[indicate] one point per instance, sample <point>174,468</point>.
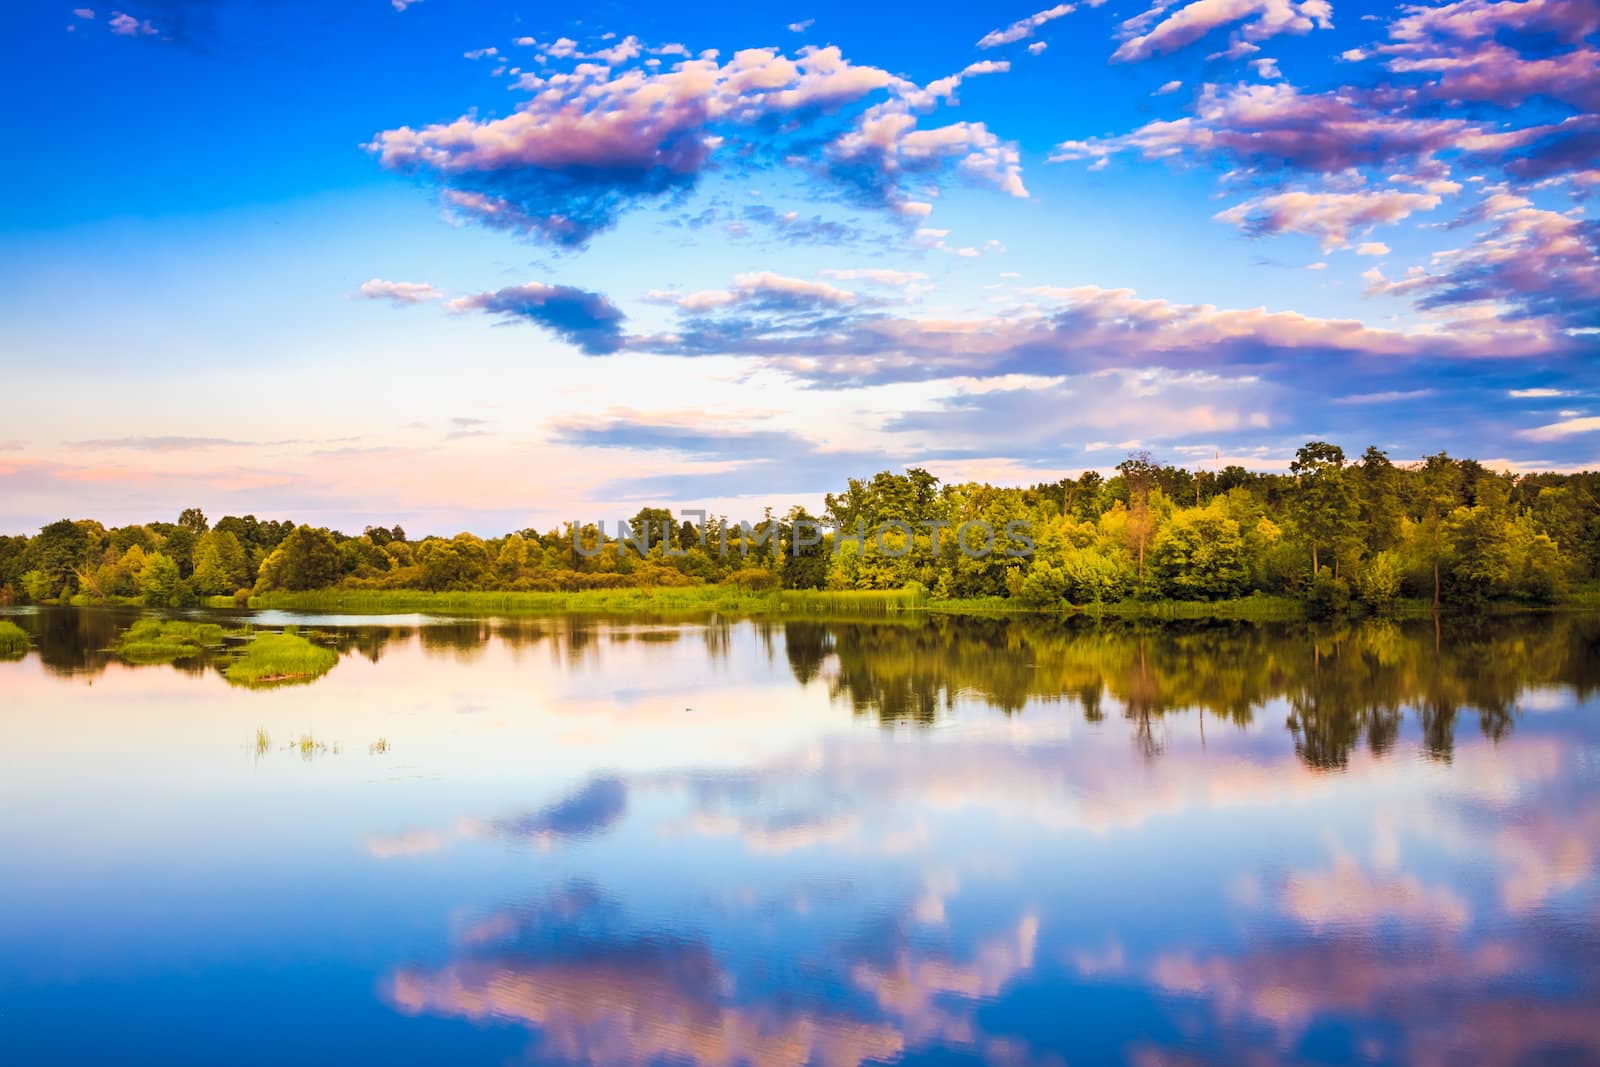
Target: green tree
<point>38,586</point>
<point>56,553</point>
<point>220,564</point>
<point>1325,509</point>
<point>158,579</point>
<point>1199,555</point>
<point>307,559</point>
<point>459,563</point>
<point>1378,494</point>
<point>805,566</point>
<point>1439,482</point>
<point>1138,473</point>
<point>512,560</point>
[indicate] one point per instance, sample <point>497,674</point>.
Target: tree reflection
<point>1340,685</point>
<point>1344,684</point>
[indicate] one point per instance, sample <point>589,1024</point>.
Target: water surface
<point>724,843</point>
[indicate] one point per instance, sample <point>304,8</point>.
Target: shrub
<point>754,578</point>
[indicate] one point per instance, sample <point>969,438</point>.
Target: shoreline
<point>688,601</point>
<point>791,603</point>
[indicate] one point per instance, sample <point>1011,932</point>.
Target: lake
<point>779,843</point>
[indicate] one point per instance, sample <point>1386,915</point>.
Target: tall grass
<point>164,640</point>
<point>1254,608</point>
<point>280,659</point>
<point>13,640</point>
<point>663,601</point>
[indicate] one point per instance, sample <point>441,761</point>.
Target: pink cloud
<point>1261,20</point>
<point>124,25</point>
<point>1329,217</point>
<point>593,139</point>
<point>398,292</point>
<point>1022,29</point>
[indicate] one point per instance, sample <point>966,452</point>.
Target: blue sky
<point>476,266</point>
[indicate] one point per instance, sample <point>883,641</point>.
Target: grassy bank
<point>704,599</point>
<point>164,640</point>
<point>280,659</point>
<point>687,600</point>
<point>13,640</point>
<point>728,600</point>
<point>1250,608</point>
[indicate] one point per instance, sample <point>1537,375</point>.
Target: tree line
<point>1337,532</point>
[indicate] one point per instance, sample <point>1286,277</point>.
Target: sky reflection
<point>814,843</point>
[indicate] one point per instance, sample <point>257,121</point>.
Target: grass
<point>263,741</point>
<point>165,640</point>
<point>309,746</point>
<point>1254,608</point>
<point>13,640</point>
<point>855,603</point>
<point>378,747</point>
<point>678,600</point>
<point>280,659</point>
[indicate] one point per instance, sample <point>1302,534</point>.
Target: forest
<point>1334,533</point>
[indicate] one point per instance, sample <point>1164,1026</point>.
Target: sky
<point>480,266</point>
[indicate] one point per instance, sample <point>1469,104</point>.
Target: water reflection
<point>761,843</point>
<point>1346,685</point>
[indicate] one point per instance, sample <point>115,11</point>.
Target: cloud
<point>592,141</point>
<point>748,461</point>
<point>899,279</point>
<point>124,25</point>
<point>1500,53</point>
<point>587,320</point>
<point>887,144</point>
<point>593,809</point>
<point>1329,217</point>
<point>1348,896</point>
<point>398,292</point>
<point>169,443</point>
<point>1555,431</point>
<point>564,970</point>
<point>1022,29</point>
<point>838,342</point>
<point>414,843</point>
<point>757,309</point>
<point>1392,396</point>
<point>1529,263</point>
<point>1276,126</point>
<point>1372,248</point>
<point>1261,20</point>
<point>1537,393</point>
<point>792,227</point>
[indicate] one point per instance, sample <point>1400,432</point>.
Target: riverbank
<point>692,600</point>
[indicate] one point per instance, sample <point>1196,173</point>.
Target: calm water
<point>782,844</point>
